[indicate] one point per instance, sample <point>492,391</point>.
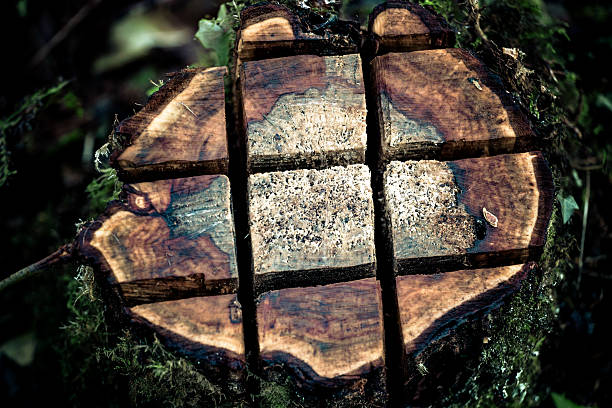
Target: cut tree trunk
<point>365,268</point>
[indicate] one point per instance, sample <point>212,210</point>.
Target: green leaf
<point>217,35</point>
<point>568,206</point>
<point>561,401</point>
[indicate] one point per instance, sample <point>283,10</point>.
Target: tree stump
<point>359,262</point>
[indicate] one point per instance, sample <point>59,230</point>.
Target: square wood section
<point>181,130</point>
<point>444,104</point>
<point>206,328</point>
<point>168,239</point>
<point>310,227</point>
<point>473,212</point>
<point>403,26</point>
<point>327,334</point>
<point>304,112</point>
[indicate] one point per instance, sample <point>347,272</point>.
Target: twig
<point>585,214</point>
<point>63,254</point>
<point>42,53</point>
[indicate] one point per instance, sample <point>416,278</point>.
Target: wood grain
<point>206,328</point>
<point>271,30</point>
<point>436,211</point>
<point>167,239</point>
<point>181,130</point>
<point>445,104</point>
<point>327,335</point>
<point>432,305</point>
<point>310,227</point>
<point>402,26</point>
<point>304,111</point>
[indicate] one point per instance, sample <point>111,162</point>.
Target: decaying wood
<point>181,130</point>
<point>167,239</point>
<point>444,104</point>
<point>328,335</point>
<point>309,227</point>
<point>168,246</point>
<point>271,30</point>
<point>207,328</point>
<point>304,111</point>
<point>435,211</point>
<point>402,26</point>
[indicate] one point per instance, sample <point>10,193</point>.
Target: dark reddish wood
<point>431,305</point>
<point>436,211</point>
<point>207,328</point>
<point>181,130</point>
<point>166,239</point>
<point>445,104</point>
<point>272,30</point>
<point>303,111</point>
<point>404,26</point>
<point>328,336</point>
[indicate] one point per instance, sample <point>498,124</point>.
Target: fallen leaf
<point>489,217</point>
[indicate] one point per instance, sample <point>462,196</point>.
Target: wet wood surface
<point>437,211</point>
<point>272,30</point>
<point>180,131</point>
<point>326,334</point>
<point>304,111</point>
<point>444,104</point>
<point>167,239</point>
<point>402,26</point>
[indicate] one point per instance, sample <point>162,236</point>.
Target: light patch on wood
<point>399,129</point>
<point>398,21</point>
<point>201,321</point>
<point>310,219</point>
<point>426,217</point>
<point>312,122</point>
<point>423,299</point>
<point>271,29</point>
